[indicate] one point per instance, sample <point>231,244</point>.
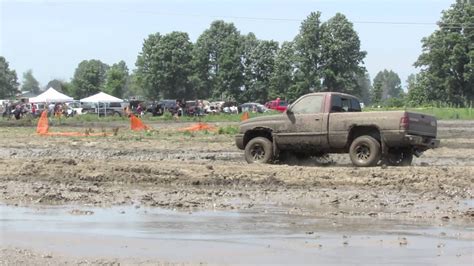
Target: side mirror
<point>289,111</point>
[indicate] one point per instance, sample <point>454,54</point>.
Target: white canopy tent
<point>51,96</point>
<point>101,97</point>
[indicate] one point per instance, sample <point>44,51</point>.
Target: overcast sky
<point>53,37</point>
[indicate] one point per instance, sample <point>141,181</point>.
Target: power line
<point>372,22</point>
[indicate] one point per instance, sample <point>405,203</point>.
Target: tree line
<point>323,56</point>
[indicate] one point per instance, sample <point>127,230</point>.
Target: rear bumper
<point>239,141</point>
<point>425,142</point>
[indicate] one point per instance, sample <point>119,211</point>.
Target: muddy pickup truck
<point>320,123</point>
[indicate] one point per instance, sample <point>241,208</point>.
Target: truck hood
<point>273,122</point>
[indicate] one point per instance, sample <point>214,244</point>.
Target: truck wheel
<point>365,151</point>
<point>259,150</point>
<point>399,157</point>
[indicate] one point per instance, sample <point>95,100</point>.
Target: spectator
<point>51,109</point>
<point>33,110</point>
<point>126,110</point>
<point>8,110</point>
<point>57,110</point>
<point>200,107</point>
<point>17,112</point>
<point>139,110</point>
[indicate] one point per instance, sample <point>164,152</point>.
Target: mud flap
<point>383,145</point>
<point>276,151</point>
<point>417,153</point>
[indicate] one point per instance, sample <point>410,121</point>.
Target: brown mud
<point>205,171</point>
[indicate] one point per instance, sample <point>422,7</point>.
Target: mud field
<point>178,172</point>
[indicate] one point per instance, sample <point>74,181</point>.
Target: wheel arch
<point>258,132</point>
<point>356,131</point>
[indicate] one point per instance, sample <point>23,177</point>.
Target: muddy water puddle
<point>266,234</point>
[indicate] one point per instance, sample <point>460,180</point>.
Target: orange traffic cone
<point>244,116</point>
<point>136,124</point>
<point>42,127</point>
<point>199,127</point>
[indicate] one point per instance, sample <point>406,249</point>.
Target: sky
<point>52,37</point>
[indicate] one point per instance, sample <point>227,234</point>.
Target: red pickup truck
<point>277,105</point>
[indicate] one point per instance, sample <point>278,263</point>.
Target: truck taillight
<point>404,121</point>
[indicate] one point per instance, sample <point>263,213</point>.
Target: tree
<point>133,89</point>
<point>282,81</point>
<point>308,55</point>
<point>60,85</point>
<point>387,85</point>
<point>376,93</point>
<point>341,57</point>
<point>165,66</point>
<point>147,67</point>
<point>447,60</point>
<point>29,82</point>
<point>117,79</point>
<point>258,63</point>
<point>218,72</point>
<point>364,87</point>
<point>416,94</point>
<point>249,45</point>
<point>8,80</point>
<point>327,56</point>
<point>89,78</point>
<point>175,55</point>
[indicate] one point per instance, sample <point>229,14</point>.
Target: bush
<point>394,102</point>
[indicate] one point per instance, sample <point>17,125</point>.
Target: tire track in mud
<point>444,156</point>
<point>116,154</point>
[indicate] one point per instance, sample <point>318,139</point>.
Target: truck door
<point>304,125</point>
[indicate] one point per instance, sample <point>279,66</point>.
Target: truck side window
<point>336,104</point>
<point>355,106</point>
<point>346,104</point>
<point>308,105</point>
<point>339,104</point>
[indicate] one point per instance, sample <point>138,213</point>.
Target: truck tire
<point>259,150</point>
<point>399,157</point>
<point>365,151</point>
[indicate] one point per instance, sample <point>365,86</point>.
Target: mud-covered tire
<point>399,157</point>
<point>259,150</point>
<point>365,151</point>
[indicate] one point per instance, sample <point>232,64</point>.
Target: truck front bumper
<point>429,143</point>
<point>239,141</point>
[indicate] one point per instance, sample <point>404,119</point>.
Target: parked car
<point>76,107</point>
<point>163,106</point>
<point>230,107</point>
<point>216,107</point>
<point>190,107</point>
<point>104,109</point>
<point>320,123</point>
<point>253,107</point>
<point>278,105</point>
<point>39,108</point>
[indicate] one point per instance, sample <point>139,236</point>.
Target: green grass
<point>441,113</point>
<point>228,130</point>
<point>206,118</point>
<point>92,118</point>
